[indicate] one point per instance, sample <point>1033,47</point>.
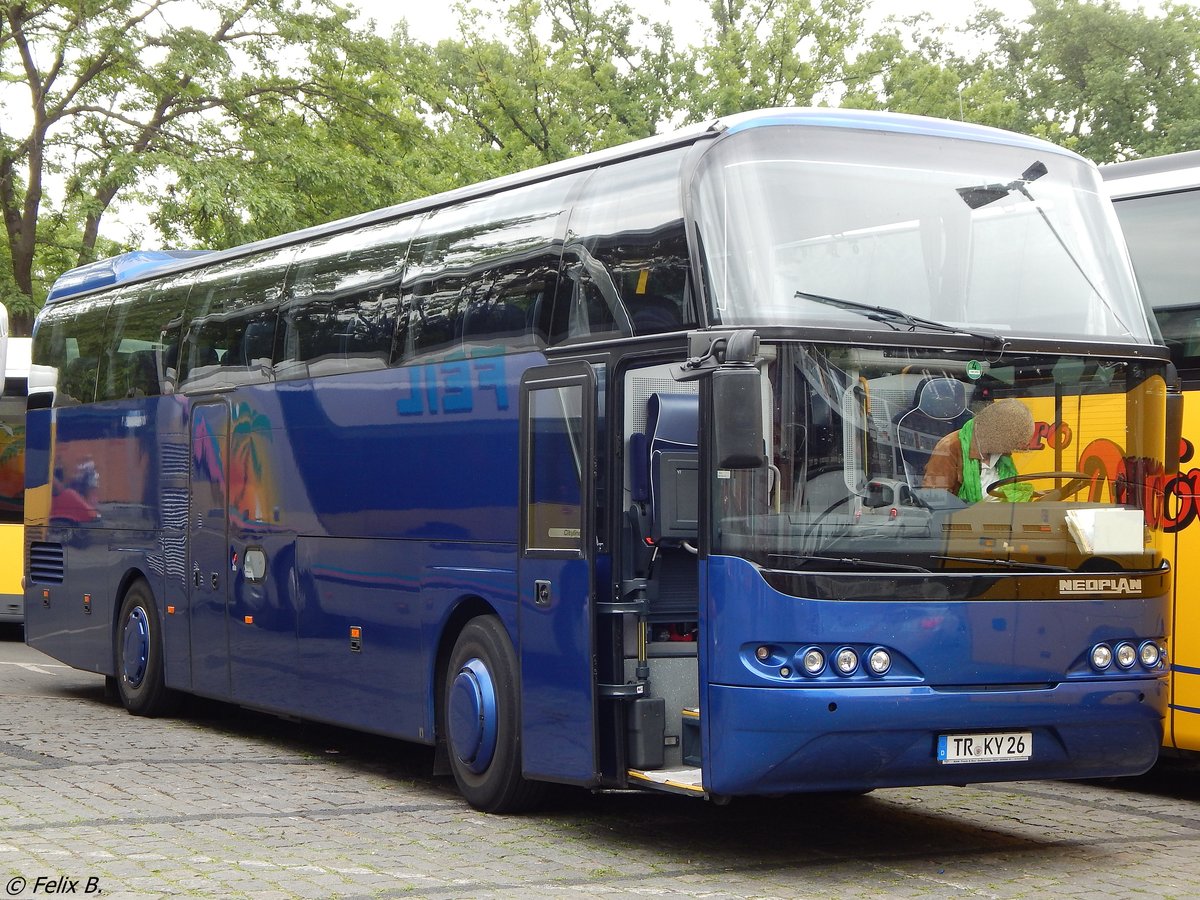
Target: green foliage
<point>335,150</point>
<point>768,53</point>
<point>232,120</point>
<point>1104,80</point>
<point>1092,75</point>
<point>541,80</point>
<point>923,75</point>
<point>237,99</point>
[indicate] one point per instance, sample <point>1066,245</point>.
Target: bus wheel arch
<point>138,652</point>
<point>479,718</point>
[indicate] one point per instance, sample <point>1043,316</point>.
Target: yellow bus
<point>12,480</point>
<point>1158,203</point>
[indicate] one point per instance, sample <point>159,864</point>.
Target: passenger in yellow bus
<point>967,461</point>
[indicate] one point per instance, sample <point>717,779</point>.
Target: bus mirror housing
<point>730,359</point>
<point>737,417</point>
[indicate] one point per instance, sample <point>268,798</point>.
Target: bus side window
<point>232,313</point>
<point>50,348</point>
<point>1180,326</point>
<point>74,341</point>
<point>593,303</point>
<point>434,311</point>
<point>342,297</point>
<point>626,260</point>
<point>481,273</point>
<point>137,340</point>
<point>436,276</point>
<point>510,309</point>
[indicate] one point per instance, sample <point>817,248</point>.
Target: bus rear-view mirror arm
<point>731,360</point>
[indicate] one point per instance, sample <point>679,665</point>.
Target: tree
<point>767,53</point>
<point>912,67</point>
<point>345,145</point>
<point>121,89</point>
<point>1103,80</point>
<point>543,80</point>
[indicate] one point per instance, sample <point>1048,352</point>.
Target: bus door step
<point>691,736</point>
<point>676,780</point>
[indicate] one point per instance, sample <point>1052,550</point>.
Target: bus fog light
<point>763,654</point>
<point>846,661</point>
<point>879,661</point>
<point>1126,655</point>
<point>1150,654</point>
<point>1101,657</point>
<point>814,661</point>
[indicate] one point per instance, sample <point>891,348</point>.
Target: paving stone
<point>244,805</point>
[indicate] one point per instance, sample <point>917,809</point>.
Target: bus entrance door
<point>556,612</point>
<point>208,549</point>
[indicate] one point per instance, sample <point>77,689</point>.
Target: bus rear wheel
<point>481,714</point>
<point>138,655</point>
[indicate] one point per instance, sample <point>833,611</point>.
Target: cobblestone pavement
<point>225,803</point>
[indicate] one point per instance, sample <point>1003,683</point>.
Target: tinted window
<point>343,294</point>
<point>481,273</point>
<point>1162,233</point>
<point>554,506</point>
<point>68,339</point>
<point>141,341</point>
<point>625,264</point>
<point>229,335</point>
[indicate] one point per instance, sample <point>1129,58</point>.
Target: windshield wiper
<point>850,561</point>
<point>1007,563</point>
<point>980,195</point>
<point>890,317</point>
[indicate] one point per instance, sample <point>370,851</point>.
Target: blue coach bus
<point>612,473</point>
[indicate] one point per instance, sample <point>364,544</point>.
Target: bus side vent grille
<point>46,563</point>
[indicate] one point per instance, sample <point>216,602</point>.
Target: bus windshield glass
<point>873,230</point>
<point>927,466</point>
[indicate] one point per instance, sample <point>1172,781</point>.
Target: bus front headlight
<point>846,661</point>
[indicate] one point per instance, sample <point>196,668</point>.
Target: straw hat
<point>1003,427</point>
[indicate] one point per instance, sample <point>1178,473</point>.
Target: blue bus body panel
<point>117,270</point>
<point>957,667</point>
<point>314,467</point>
<point>767,741</point>
<point>556,653</point>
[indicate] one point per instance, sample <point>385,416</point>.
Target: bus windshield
<point>827,227</point>
<point>866,474</point>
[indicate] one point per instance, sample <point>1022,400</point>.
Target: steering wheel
<point>1077,481</point>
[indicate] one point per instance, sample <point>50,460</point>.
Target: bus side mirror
<point>737,418</point>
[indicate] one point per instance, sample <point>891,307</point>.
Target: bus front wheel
<point>138,654</point>
<point>481,713</point>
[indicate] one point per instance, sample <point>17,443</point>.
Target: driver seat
<point>939,407</point>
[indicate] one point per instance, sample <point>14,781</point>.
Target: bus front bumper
<point>781,740</point>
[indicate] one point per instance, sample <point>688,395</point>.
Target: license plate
<point>1008,746</point>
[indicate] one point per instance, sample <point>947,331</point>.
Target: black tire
<point>481,712</point>
<point>138,655</point>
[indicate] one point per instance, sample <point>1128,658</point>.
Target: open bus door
<point>557,607</point>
